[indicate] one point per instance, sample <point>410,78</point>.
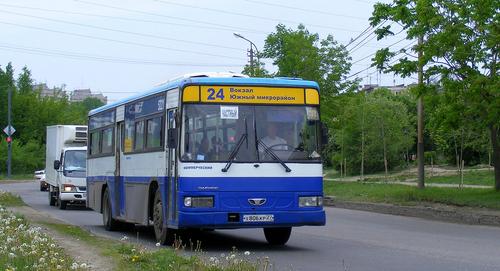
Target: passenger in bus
<point>203,150</point>
<point>272,139</point>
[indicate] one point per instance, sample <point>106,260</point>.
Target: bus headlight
<point>310,201</point>
<point>69,188</point>
<point>199,202</point>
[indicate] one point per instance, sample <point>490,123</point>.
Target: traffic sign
<point>6,130</point>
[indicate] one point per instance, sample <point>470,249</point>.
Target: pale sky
<point>118,47</point>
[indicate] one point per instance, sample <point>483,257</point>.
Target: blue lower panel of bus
<point>220,220</point>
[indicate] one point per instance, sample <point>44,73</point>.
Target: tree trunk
<point>496,155</point>
<point>385,150</point>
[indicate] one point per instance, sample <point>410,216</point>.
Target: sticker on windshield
<point>312,113</point>
<point>229,112</point>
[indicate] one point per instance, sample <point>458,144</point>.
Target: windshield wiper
<point>233,153</point>
<point>273,155</point>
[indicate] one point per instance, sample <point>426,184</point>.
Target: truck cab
<point>66,166</point>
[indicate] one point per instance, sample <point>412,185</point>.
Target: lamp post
<point>252,45</point>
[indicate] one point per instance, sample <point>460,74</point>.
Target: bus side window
<point>139,136</point>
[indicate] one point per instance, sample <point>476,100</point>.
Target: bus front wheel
<point>277,236</point>
<point>110,224</point>
<point>162,233</point>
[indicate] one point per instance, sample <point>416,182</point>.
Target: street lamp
<point>252,45</point>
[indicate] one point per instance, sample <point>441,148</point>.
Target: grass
<point>477,177</point>
<point>408,195</point>
<point>24,247</point>
<point>131,257</point>
<point>10,200</point>
<point>24,176</point>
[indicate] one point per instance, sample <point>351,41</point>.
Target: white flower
<point>12,255</point>
<point>247,253</point>
<point>83,265</point>
<point>58,267</point>
<point>158,244</point>
<point>124,238</point>
<point>52,245</point>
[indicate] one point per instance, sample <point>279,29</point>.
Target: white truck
<point>66,164</point>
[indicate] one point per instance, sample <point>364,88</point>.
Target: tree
<point>299,53</point>
<point>461,42</point>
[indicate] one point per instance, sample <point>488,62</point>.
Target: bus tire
<point>277,236</point>
<point>52,200</point>
<point>110,224</point>
<point>163,235</point>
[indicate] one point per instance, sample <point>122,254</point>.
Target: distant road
<point>351,240</point>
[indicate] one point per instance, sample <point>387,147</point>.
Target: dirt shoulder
<point>441,212</point>
<point>77,249</point>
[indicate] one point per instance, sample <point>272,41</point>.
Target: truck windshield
<point>212,131</point>
<point>75,163</point>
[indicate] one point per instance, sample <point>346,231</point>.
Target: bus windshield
<point>212,131</point>
<point>75,163</point>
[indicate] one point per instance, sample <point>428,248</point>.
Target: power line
<point>358,45</point>
<point>363,58</point>
<point>117,41</point>
<point>163,15</point>
<point>122,31</point>
<point>101,58</point>
<point>132,19</point>
<point>358,72</point>
<point>315,11</point>
<point>251,16</point>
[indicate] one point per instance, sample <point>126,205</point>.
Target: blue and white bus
<point>210,151</point>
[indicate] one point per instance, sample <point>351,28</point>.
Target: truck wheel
<point>162,233</point>
<point>277,236</point>
<point>110,224</point>
<point>61,203</point>
<point>52,200</point>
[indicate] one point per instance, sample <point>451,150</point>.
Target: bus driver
<point>271,140</point>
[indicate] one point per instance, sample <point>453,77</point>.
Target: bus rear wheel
<point>110,224</point>
<point>277,236</point>
<point>162,233</point>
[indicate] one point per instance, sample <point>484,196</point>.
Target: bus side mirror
<point>57,164</point>
<point>172,138</point>
<point>324,135</point>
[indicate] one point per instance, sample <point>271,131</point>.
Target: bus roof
<point>274,82</point>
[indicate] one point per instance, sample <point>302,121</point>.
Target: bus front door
<point>171,172</point>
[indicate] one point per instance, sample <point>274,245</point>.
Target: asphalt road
<point>351,240</point>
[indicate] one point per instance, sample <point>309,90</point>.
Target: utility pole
<point>9,143</point>
<point>251,53</point>
<point>420,114</point>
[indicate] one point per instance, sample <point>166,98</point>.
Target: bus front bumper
<point>227,220</point>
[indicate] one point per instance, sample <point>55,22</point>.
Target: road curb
<point>465,215</point>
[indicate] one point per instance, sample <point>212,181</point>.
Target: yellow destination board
<point>251,95</point>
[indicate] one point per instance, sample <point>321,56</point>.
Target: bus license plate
<point>258,218</point>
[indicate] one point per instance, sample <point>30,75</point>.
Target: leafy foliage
<point>31,113</point>
<point>461,45</point>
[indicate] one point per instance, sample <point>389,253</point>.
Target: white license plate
<point>258,218</point>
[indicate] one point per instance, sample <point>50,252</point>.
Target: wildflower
<point>83,265</point>
<point>247,253</point>
<point>135,258</point>
<point>124,238</point>
<point>52,245</point>
<point>42,259</point>
<point>58,267</point>
<point>158,244</point>
<point>12,255</point>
